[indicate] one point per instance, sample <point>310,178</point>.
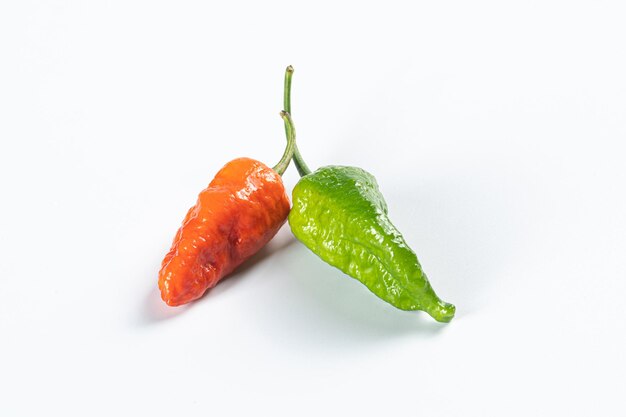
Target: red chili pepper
<point>235,216</point>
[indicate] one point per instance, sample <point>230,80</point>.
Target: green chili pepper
<point>340,215</point>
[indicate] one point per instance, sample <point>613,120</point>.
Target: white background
<point>495,129</point>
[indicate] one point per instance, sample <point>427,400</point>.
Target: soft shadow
<point>313,306</point>
<point>154,310</point>
<point>274,247</point>
<point>464,231</point>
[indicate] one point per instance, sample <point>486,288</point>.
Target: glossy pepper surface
<point>236,215</point>
<point>340,215</point>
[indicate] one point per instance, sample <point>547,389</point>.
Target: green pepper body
<point>340,215</point>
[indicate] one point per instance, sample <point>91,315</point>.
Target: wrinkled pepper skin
<point>339,214</point>
<point>235,216</point>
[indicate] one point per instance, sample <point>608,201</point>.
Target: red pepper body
<point>235,216</point>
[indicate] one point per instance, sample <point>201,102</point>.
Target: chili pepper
<point>236,215</point>
<point>339,214</point>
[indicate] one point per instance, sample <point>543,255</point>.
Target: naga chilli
<point>340,215</point>
<point>234,217</point>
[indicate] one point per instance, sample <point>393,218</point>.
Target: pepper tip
<point>444,312</point>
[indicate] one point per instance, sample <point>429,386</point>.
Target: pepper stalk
<point>282,165</point>
<point>301,166</point>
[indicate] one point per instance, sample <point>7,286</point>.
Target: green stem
<point>301,166</point>
<point>282,165</point>
<point>291,139</point>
